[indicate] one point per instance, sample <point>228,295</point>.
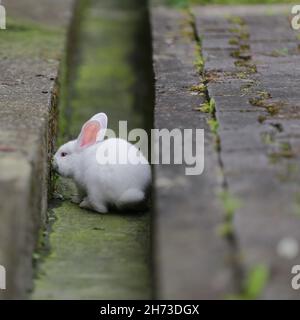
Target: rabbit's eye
<point>63,154</point>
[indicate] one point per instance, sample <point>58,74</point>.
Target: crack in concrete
<point>231,238</point>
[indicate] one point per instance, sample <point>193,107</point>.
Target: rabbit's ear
<point>93,131</point>
<point>101,118</point>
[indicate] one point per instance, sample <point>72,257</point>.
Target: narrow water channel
<point>85,255</point>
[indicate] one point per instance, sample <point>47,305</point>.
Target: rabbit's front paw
<point>76,198</point>
<point>85,204</point>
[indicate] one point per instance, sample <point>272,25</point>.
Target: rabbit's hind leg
<point>100,207</point>
<point>95,201</point>
<point>95,206</point>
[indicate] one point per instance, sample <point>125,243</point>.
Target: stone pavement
<point>187,210</point>
<point>252,71</point>
<point>29,57</point>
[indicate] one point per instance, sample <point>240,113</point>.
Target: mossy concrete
<point>47,12</point>
<point>95,256</point>
<point>29,58</point>
<point>28,39</point>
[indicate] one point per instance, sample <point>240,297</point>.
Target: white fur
<point>103,184</point>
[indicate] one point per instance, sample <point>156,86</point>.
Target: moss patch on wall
<point>24,39</point>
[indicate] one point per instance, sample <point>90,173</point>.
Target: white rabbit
<point>105,184</point>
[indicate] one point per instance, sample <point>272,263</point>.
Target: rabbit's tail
<point>130,197</point>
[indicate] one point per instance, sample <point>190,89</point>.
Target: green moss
<point>24,39</point>
<point>225,229</point>
<point>95,256</point>
<point>234,30</point>
<point>241,33</point>
<point>233,41</point>
<point>268,138</point>
<point>285,151</point>
<point>250,67</point>
<point>187,33</point>
<point>254,284</point>
<point>212,105</point>
<point>205,107</point>
<point>280,52</point>
<point>261,119</point>
<point>208,107</point>
<point>272,109</point>
<point>199,88</point>
<point>262,100</point>
<point>242,75</point>
<point>235,54</point>
<point>230,204</point>
<point>247,88</point>
<point>241,54</point>
<point>199,64</point>
<point>244,47</point>
<point>187,25</point>
<point>264,95</point>
<point>213,125</point>
<point>236,20</point>
<point>244,35</point>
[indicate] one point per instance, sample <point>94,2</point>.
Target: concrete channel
<point>84,255</point>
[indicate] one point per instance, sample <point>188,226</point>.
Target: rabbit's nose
<point>54,165</point>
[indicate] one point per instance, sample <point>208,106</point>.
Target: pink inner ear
<point>89,133</point>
